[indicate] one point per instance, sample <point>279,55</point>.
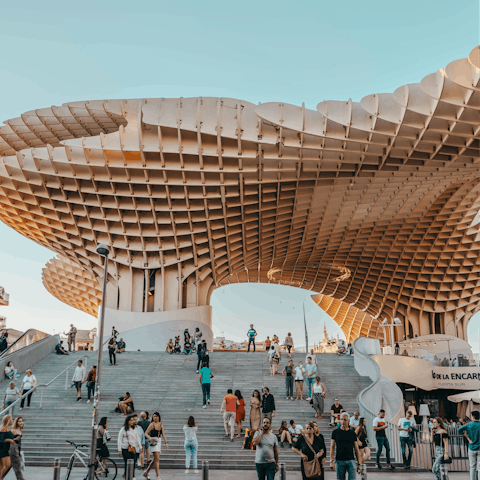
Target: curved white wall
<point>150,331</point>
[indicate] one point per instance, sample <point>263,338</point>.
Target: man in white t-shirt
<point>295,430</point>
<point>405,427</point>
<point>355,420</point>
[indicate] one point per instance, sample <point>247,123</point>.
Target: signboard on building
<point>462,378</point>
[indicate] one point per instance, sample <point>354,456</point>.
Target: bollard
<point>283,472</point>
<point>205,470</point>
<point>130,469</point>
<point>56,469</point>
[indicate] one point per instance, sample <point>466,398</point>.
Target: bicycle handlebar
<point>79,445</point>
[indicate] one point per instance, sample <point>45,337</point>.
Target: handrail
<point>10,349</point>
<point>44,385</point>
<point>392,431</point>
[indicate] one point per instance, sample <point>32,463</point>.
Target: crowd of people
<point>141,436</point>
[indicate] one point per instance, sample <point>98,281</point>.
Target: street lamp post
<point>102,250</point>
<point>396,323</point>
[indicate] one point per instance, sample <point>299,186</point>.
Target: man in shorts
<point>78,378</point>
<point>229,403</point>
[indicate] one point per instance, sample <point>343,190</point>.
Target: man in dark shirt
<point>202,346</point>
<point>345,442</point>
<point>252,333</point>
<point>268,404</point>
<point>145,454</point>
<point>336,410</point>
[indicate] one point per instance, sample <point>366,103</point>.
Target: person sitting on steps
<point>60,350</point>
<point>125,405</point>
<point>170,347</point>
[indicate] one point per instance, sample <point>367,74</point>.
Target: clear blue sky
<point>55,52</point>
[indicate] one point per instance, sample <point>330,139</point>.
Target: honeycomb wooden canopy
<point>194,193</point>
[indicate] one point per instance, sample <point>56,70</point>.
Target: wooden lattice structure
<point>194,193</point>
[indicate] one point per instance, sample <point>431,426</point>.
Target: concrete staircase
<point>168,384</point>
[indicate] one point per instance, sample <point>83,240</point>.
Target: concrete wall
<point>150,331</point>
<point>29,356</point>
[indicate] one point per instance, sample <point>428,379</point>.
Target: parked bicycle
<point>108,470</point>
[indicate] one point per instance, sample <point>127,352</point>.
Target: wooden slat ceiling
<point>387,187</point>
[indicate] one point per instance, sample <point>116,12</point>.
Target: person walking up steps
<point>240,414</point>
<point>319,394</point>
<point>252,333</point>
<point>205,375</point>
<point>191,444</point>
<point>229,403</point>
<point>379,427</point>
<point>266,453</point>
<point>310,373</point>
<point>343,449</point>
<point>271,360</point>
<point>288,376</point>
<point>78,378</point>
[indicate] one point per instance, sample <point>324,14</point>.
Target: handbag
<point>311,467</point>
<point>448,460</point>
<point>131,449</point>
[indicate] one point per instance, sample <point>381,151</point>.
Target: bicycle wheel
<point>69,467</point>
<point>109,470</point>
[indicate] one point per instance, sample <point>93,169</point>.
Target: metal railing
<point>374,393</point>
<point>29,337</point>
<point>45,385</point>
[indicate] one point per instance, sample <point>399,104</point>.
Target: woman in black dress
<point>102,438</point>
<point>309,446</point>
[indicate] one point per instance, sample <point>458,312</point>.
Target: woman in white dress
<point>154,433</point>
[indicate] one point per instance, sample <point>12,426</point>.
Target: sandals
<point>145,474</point>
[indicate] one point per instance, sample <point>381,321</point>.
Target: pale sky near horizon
<point>56,52</point>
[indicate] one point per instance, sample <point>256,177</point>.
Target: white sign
<point>461,378</point>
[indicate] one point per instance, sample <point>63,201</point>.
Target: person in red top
<point>268,343</point>
<point>229,403</point>
<point>240,417</point>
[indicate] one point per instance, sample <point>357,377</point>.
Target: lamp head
<point>103,249</point>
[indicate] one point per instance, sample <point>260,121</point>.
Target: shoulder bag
<point>311,467</point>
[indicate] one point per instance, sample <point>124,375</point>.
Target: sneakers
<point>208,401</point>
<point>79,399</point>
<point>281,444</point>
<point>88,401</point>
<point>186,471</point>
<point>390,467</point>
<point>197,471</point>
<point>196,371</point>
<point>291,398</point>
<point>204,406</point>
<point>379,466</point>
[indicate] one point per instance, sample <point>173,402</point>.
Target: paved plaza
<point>42,473</point>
